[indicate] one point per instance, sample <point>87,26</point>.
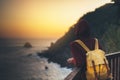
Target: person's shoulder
<point>93,39</point>
<point>73,43</point>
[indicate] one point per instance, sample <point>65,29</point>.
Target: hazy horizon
<point>42,19</point>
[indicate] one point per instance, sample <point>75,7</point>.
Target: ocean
<point>20,63</point>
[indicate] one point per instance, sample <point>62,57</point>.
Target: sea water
<point>19,63</point>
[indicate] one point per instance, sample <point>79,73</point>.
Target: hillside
<point>104,22</point>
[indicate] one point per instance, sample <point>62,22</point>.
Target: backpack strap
<point>96,44</point>
<point>83,45</point>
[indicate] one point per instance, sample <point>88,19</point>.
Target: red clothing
<point>79,54</point>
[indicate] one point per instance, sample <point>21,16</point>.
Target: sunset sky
<point>42,18</point>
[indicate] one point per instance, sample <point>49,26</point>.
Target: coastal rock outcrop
<point>27,45</point>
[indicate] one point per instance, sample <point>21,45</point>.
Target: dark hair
<point>82,29</point>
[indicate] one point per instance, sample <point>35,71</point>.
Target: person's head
<point>82,29</point>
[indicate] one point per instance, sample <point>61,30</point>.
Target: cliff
<point>104,22</point>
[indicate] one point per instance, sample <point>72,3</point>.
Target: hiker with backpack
<point>88,54</point>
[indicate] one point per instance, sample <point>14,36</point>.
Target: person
<point>82,32</point>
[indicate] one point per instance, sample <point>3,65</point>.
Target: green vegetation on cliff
<point>105,25</point>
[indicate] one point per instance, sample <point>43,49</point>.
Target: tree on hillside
<point>116,1</point>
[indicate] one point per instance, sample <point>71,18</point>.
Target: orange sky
<point>42,18</point>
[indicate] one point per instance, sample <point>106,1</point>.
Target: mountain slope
<point>104,23</point>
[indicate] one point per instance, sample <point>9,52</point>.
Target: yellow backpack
<point>97,64</point>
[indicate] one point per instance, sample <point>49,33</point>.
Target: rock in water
<point>46,68</point>
<point>27,45</point>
